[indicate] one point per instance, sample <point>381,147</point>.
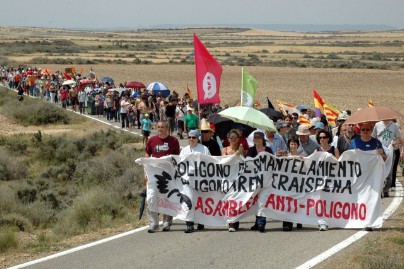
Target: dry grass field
<point>373,62</point>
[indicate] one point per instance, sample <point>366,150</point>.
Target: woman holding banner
<point>293,145</point>
<point>194,146</point>
<point>259,146</point>
<point>235,147</point>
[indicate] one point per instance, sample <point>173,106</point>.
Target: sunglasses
<point>321,137</point>
<point>192,137</point>
<point>205,131</point>
<point>365,130</point>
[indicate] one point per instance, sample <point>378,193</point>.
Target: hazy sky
<point>134,13</point>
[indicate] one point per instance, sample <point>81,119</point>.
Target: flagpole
<point>241,91</point>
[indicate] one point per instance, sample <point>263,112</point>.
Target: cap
<point>303,130</point>
<point>259,134</point>
<point>194,132</point>
<point>280,124</point>
<point>146,115</point>
<point>319,125</point>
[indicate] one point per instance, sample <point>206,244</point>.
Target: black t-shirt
<point>213,147</point>
<point>170,110</point>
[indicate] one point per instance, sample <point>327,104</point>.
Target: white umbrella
<point>120,90</point>
<point>69,82</point>
<point>249,116</point>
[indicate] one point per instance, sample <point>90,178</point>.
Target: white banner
<point>214,191</point>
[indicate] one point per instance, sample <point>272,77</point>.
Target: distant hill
<point>297,27</point>
<point>274,27</point>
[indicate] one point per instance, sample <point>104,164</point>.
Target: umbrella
<point>272,113</point>
<point>222,125</point>
<point>69,82</point>
<point>373,114</point>
<point>249,116</point>
<point>158,87</point>
<point>142,204</point>
<point>107,80</point>
<point>46,70</point>
<point>86,81</point>
<point>135,85</point>
<point>300,107</point>
<point>120,90</point>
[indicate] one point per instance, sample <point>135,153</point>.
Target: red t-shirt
<point>157,147</point>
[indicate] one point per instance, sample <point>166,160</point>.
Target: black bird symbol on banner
<point>162,186</point>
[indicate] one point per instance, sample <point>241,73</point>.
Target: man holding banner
<point>158,146</point>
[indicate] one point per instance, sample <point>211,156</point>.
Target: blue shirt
<point>146,124</point>
<point>358,143</point>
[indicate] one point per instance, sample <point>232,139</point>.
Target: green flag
<point>248,87</point>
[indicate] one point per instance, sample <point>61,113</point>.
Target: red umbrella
<point>135,85</point>
<point>86,81</point>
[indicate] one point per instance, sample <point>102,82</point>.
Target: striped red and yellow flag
<point>370,103</point>
<point>331,113</point>
<point>303,120</point>
<point>286,108</point>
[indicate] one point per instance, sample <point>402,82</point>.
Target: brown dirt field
<point>343,88</point>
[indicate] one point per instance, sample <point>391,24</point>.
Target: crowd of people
<point>291,139</point>
<point>176,117</point>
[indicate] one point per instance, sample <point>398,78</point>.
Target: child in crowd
<point>146,126</point>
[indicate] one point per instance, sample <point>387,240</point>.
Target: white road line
<point>340,246</point>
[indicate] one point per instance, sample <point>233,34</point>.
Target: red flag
<point>66,76</point>
<point>208,73</point>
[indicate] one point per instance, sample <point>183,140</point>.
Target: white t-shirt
<point>180,113</point>
<point>124,104</point>
<point>386,132</point>
<point>198,148</point>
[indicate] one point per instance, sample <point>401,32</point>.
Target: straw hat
<point>303,130</point>
<point>205,126</point>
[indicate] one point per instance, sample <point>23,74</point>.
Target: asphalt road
<point>213,247</point>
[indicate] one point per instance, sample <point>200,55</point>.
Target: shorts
<point>146,133</point>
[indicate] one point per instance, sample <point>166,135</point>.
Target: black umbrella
<point>142,204</point>
<point>224,125</point>
<point>271,113</point>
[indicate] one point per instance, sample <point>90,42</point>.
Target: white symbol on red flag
<point>209,86</point>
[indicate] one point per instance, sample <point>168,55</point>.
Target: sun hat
<point>194,132</point>
<point>205,126</point>
<point>343,116</point>
<point>303,130</point>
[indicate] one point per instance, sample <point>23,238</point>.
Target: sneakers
<point>287,226</point>
<point>254,227</point>
<point>386,194</point>
<point>232,229</point>
<point>369,229</point>
<point>166,229</point>
<point>200,227</point>
<point>323,227</point>
<point>261,228</point>
<point>153,230</point>
<point>299,226</point>
<point>189,229</point>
